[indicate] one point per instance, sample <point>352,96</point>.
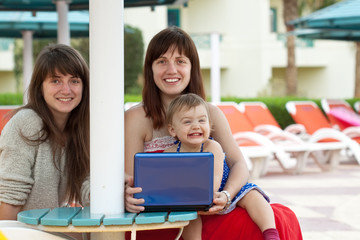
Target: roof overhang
<point>43,24</point>
<point>48,5</point>
<point>329,34</point>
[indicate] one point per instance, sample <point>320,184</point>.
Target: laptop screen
<point>175,181</point>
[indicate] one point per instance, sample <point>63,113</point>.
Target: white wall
<point>7,82</point>
<point>337,80</point>
<point>244,26</point>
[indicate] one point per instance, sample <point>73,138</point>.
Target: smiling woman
<point>44,148</point>
<point>62,93</point>
<point>172,68</point>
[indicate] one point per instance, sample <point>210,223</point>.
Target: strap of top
<point>179,146</point>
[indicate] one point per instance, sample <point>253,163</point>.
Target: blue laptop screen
<point>175,181</point>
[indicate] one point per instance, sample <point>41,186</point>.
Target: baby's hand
<point>219,203</point>
<point>131,202</point>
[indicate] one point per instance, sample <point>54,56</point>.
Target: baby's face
<point>191,126</point>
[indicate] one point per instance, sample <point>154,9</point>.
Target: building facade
<point>253,53</point>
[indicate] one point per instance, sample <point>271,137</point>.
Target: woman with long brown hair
<point>172,68</point>
<point>44,148</point>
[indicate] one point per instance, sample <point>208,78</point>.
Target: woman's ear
<point>171,130</point>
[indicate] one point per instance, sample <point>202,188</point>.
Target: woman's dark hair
<point>176,39</point>
<point>74,139</point>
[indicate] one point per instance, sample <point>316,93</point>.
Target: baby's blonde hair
<point>185,101</point>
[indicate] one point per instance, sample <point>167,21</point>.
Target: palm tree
<point>290,13</point>
<point>293,8</point>
<point>357,71</point>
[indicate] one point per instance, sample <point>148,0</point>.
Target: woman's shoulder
<point>27,120</point>
<point>136,116</point>
<point>27,115</point>
<point>136,111</point>
<point>213,108</point>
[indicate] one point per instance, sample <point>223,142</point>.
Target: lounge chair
<point>264,122</point>
<point>286,145</point>
<point>128,105</point>
<point>340,114</point>
<point>310,115</point>
<point>4,110</point>
<point>357,106</point>
<point>247,139</point>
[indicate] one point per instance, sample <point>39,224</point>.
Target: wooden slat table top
<point>77,219</point>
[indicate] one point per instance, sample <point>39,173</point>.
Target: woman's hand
<point>219,203</point>
<point>131,202</point>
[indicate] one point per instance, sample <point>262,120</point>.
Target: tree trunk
<point>357,71</point>
<point>291,71</point>
<point>290,13</point>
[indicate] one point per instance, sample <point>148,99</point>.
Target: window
<point>174,17</point>
<point>273,20</point>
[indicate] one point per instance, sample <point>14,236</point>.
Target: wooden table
<point>76,219</point>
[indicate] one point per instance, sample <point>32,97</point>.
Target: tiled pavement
<point>327,203</point>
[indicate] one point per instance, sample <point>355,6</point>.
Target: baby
<point>189,122</point>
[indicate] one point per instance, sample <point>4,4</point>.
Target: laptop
<point>175,181</point>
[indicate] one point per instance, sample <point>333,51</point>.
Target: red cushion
<point>235,225</point>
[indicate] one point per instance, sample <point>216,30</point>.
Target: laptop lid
<point>175,181</point>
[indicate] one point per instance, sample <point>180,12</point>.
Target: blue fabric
<point>243,191</point>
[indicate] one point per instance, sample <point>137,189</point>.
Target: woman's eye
<point>55,81</point>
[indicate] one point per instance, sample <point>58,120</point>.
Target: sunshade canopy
<point>340,21</point>
<point>329,34</point>
<point>342,15</point>
<point>48,5</point>
<point>43,24</point>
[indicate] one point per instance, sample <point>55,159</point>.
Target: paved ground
<point>326,203</point>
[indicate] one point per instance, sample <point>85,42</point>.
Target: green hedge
<point>11,99</point>
<point>275,104</point>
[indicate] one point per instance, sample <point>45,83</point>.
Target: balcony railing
<point>5,44</point>
<point>202,40</point>
<point>299,42</point>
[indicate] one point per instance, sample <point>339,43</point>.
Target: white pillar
<point>215,67</point>
<point>27,62</point>
<point>62,8</point>
<point>107,110</point>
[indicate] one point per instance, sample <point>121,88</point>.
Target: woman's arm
<point>215,148</point>
<point>17,158</point>
<point>8,211</point>
<point>137,127</point>
<point>239,172</point>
